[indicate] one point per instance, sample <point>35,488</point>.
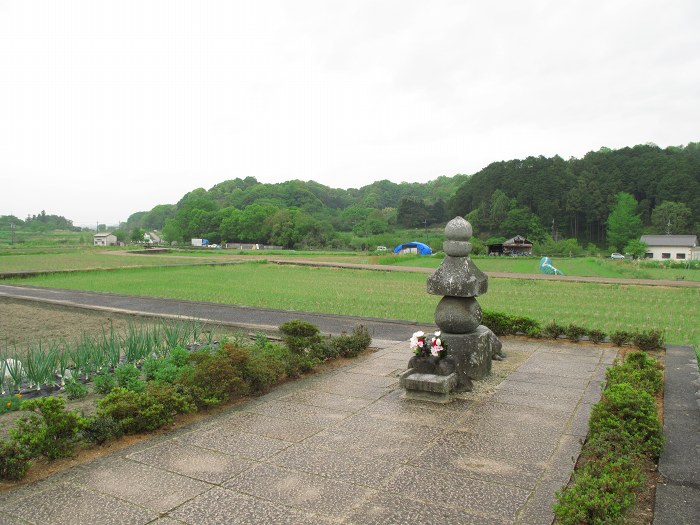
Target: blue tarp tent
<point>414,247</point>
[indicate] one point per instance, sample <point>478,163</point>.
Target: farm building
<point>680,247</point>
<point>517,245</point>
<point>104,239</point>
<point>413,247</point>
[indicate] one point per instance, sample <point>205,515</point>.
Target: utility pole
<point>12,232</point>
<point>668,227</point>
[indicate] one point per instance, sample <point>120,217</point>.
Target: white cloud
<point>151,99</point>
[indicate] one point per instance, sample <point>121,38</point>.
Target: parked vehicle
<point>617,256</point>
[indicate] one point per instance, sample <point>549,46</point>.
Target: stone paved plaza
<point>344,447</point>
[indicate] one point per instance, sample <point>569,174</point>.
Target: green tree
<point>623,222</point>
<point>636,248</point>
<point>671,217</point>
<point>137,234</point>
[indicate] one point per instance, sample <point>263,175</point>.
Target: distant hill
<point>537,197</point>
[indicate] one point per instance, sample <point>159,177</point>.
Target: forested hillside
<point>538,197</point>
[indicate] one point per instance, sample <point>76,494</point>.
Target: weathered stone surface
<point>458,229</point>
<point>471,354</point>
<point>458,315</point>
<point>457,248</point>
<point>458,277</point>
<point>412,380</point>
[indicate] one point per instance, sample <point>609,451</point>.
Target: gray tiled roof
<point>670,240</point>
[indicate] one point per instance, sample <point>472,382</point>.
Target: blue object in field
<point>423,249</point>
<point>546,267</point>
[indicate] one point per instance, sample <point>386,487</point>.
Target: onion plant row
<point>402,295</point>
<point>44,363</point>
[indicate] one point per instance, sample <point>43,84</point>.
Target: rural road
<point>244,317</point>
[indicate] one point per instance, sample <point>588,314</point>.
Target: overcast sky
<point>112,107</point>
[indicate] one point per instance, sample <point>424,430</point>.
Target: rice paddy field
<point>399,295</point>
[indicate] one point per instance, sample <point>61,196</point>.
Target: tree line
<point>541,198</point>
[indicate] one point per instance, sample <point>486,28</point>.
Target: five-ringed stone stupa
<point>470,345</point>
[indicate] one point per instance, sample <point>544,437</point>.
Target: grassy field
<point>397,295</point>
<point>577,266</point>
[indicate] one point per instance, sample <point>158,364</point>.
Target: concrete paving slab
<point>269,427</point>
<point>457,491</point>
<point>193,462</point>
<point>316,398</point>
<point>299,490</point>
<point>153,488</point>
<point>220,506</point>
<point>394,509</point>
<point>235,443</point>
<point>341,465</point>
<point>296,412</point>
<point>72,504</point>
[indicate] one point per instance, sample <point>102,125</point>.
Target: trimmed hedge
<point>624,430</point>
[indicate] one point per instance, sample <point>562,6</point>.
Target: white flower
<point>438,342</point>
<point>438,333</point>
<point>418,334</point>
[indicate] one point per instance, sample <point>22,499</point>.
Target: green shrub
<point>631,414</point>
<point>214,377</point>
<point>574,332</point>
<point>104,383</point>
<point>129,377</point>
<point>14,460</point>
<point>596,336</point>
<point>347,345</point>
<point>649,340</point>
<point>624,428</point>
<point>167,395</point>
<point>100,429</point>
<point>620,337</point>
<point>134,412</point>
<point>504,324</point>
<point>48,429</point>
<point>600,493</point>
<point>553,330</point>
<point>639,370</point>
<point>300,336</point>
<point>75,390</point>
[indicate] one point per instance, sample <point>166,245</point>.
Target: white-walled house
<point>674,247</point>
<point>104,239</point>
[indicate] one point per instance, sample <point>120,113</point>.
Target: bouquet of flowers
<point>421,346</point>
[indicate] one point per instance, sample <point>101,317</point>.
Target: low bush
<point>552,330</point>
<point>14,460</point>
<point>348,345</point>
<point>213,377</point>
<point>649,340</point>
<point>134,412</point>
<point>639,370</point>
<point>504,324</point>
<point>300,336</point>
<point>574,332</point>
<point>48,430</point>
<point>620,337</point>
<point>596,336</point>
<point>101,429</point>
<point>624,429</point>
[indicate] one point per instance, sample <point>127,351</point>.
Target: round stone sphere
<point>457,248</point>
<point>458,315</point>
<point>458,229</point>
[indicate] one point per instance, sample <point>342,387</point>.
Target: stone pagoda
<point>470,346</point>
